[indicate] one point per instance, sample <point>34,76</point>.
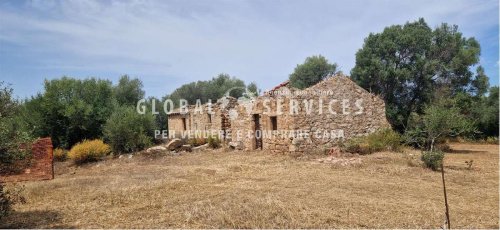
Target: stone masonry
<point>288,120</point>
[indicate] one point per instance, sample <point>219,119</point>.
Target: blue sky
<point>169,43</point>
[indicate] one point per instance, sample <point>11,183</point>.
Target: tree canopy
<point>128,91</point>
<point>313,70</point>
<point>13,131</point>
<point>212,89</point>
<point>406,64</point>
<point>70,110</point>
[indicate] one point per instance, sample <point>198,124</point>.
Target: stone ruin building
<point>286,119</point>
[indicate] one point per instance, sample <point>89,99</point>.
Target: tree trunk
<point>432,144</point>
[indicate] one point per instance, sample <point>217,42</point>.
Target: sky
<point>170,43</point>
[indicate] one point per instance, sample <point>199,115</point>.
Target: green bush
<point>381,140</point>
<point>356,145</point>
<point>433,160</point>
<point>439,121</point>
<point>87,151</point>
<point>15,134</point>
<point>128,131</point>
<point>214,142</point>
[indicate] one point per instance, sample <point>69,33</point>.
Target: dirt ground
<point>217,189</point>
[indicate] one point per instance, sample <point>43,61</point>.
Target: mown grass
<point>218,189</point>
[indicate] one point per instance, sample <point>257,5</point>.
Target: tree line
<point>71,110</point>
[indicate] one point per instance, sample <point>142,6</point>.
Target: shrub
<point>15,148</point>
<point>214,142</point>
<point>492,140</point>
<point>433,159</point>
<point>60,154</point>
<point>15,133</point>
<point>9,198</point>
<point>5,203</point>
<point>356,145</point>
<point>128,131</point>
<point>86,151</point>
<point>383,139</point>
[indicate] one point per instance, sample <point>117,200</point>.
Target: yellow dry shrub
<point>88,150</point>
<point>60,154</point>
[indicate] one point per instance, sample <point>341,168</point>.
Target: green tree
<point>128,91</point>
<point>70,110</point>
<point>127,131</point>
<point>480,83</point>
<point>406,64</point>
<point>13,132</point>
<point>253,89</point>
<point>313,70</point>
<point>205,90</point>
<point>438,121</point>
<point>487,113</point>
<point>160,119</point>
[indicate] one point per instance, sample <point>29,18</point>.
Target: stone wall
<point>42,164</point>
<point>176,123</point>
<point>336,109</point>
<point>350,111</point>
<point>313,119</point>
<point>204,120</point>
<point>244,126</point>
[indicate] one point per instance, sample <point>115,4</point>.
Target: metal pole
<point>445,197</point>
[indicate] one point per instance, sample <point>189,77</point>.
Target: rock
<point>174,144</point>
<point>156,149</point>
<point>200,148</point>
<point>236,145</point>
<point>186,148</point>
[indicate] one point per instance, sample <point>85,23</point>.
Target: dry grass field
<point>257,190</point>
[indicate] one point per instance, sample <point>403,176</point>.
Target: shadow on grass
<point>465,151</point>
<point>33,219</point>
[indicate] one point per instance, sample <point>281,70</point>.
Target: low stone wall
<point>41,167</point>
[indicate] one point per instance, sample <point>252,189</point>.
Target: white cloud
<point>168,43</point>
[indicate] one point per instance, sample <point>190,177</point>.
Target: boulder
<point>174,144</point>
<point>236,145</point>
<point>156,149</point>
<point>200,148</point>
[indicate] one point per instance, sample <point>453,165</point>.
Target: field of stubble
<point>218,189</point>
